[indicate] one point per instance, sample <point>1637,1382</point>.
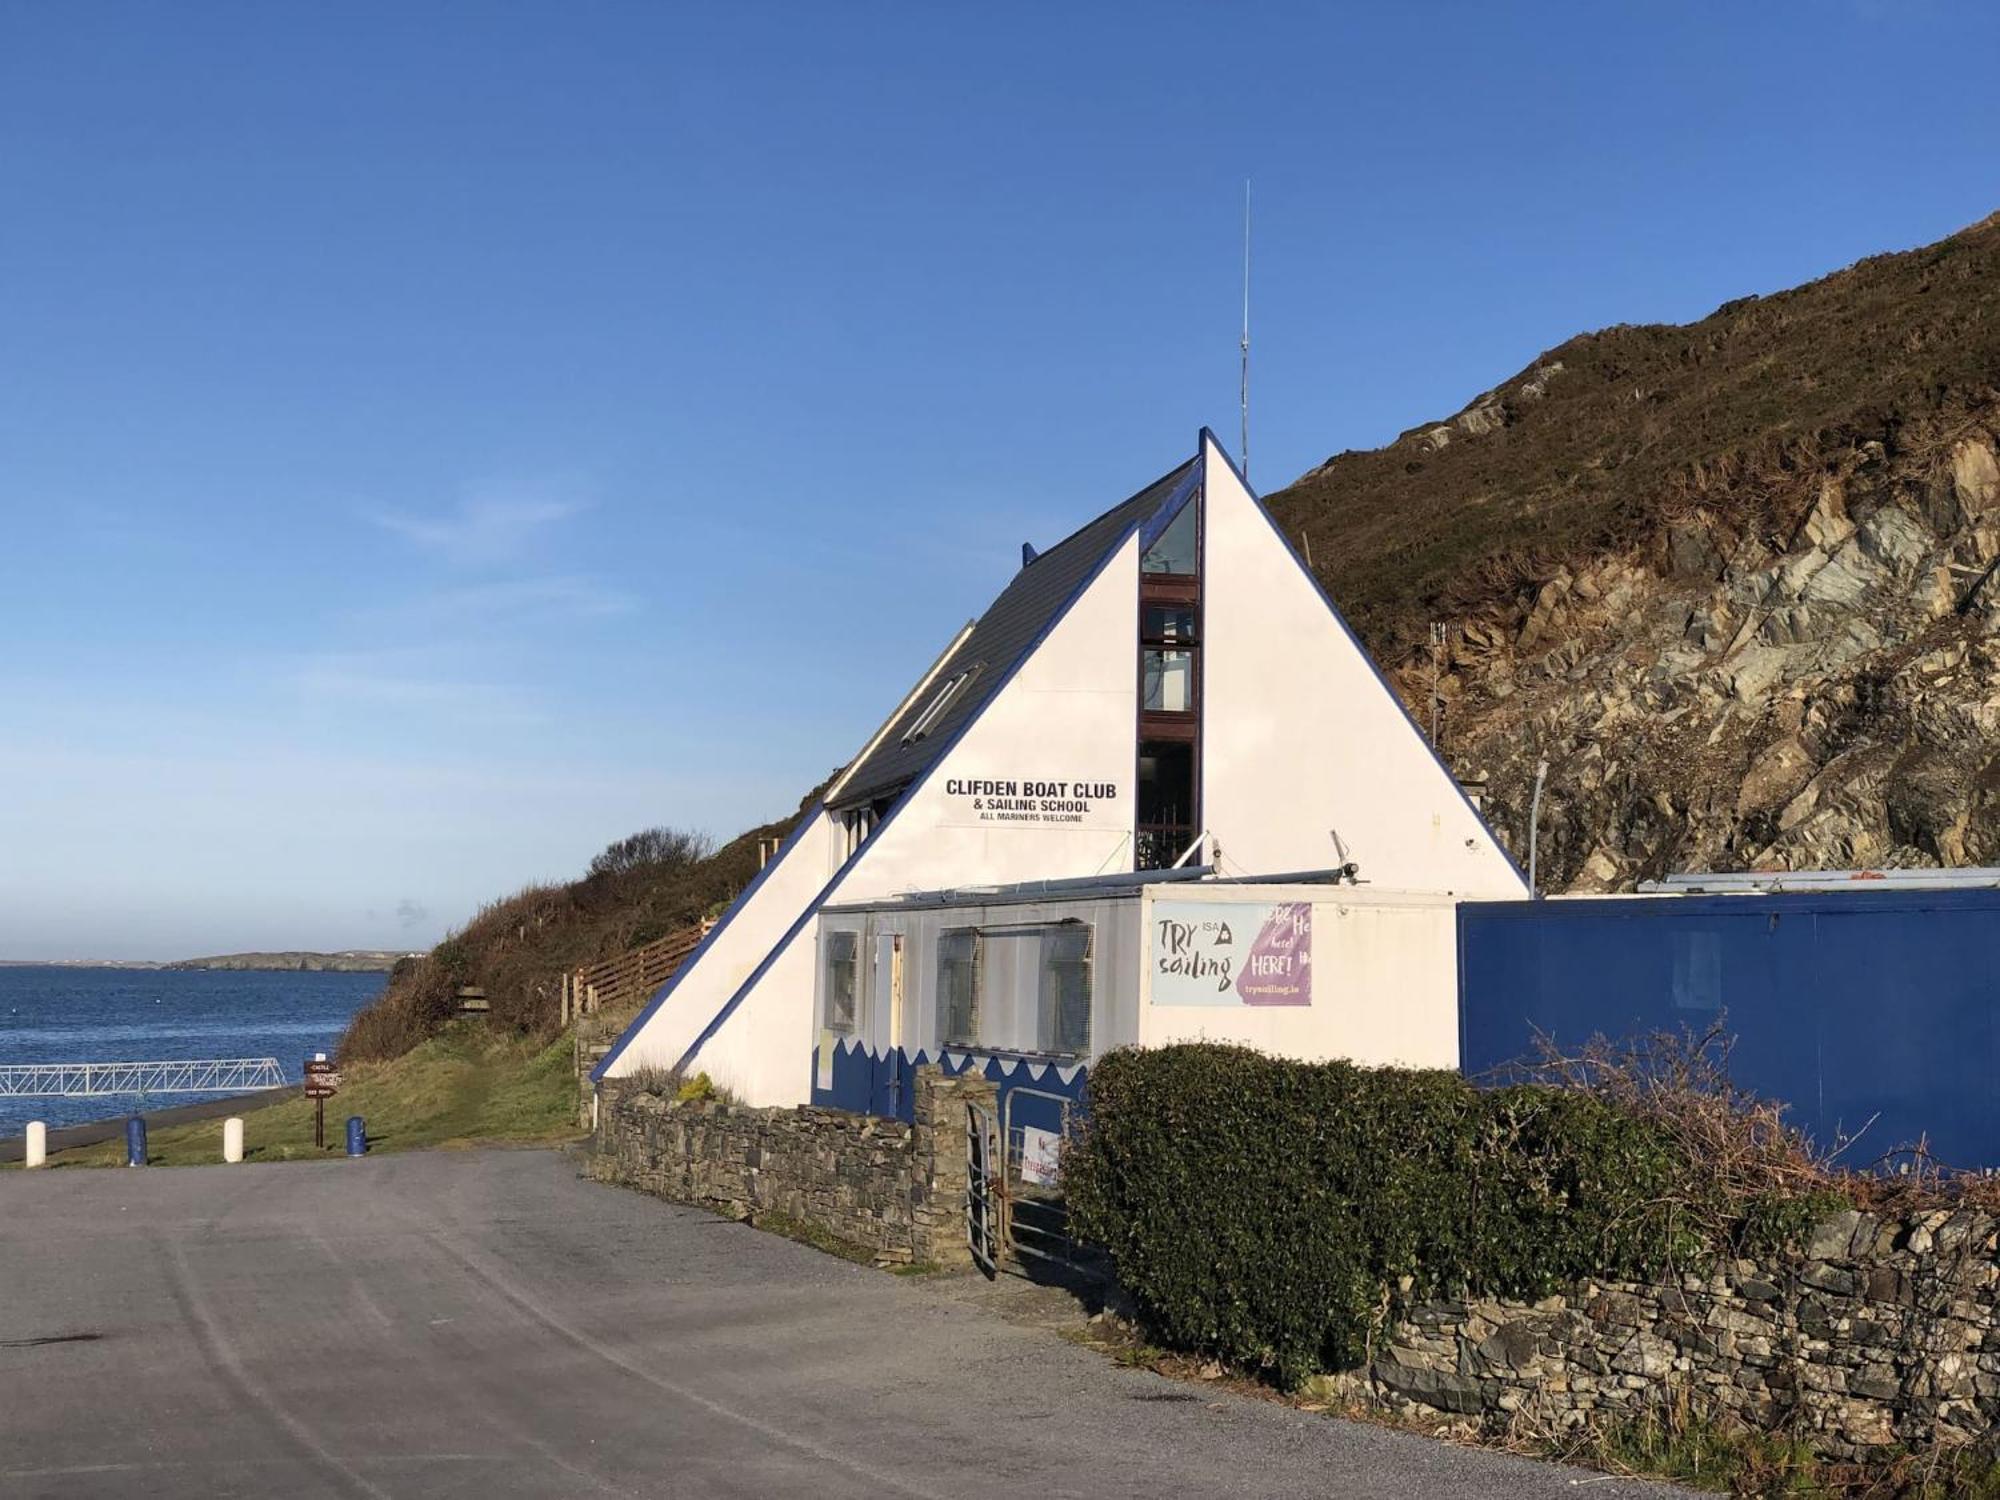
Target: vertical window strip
<point>1064,1011</point>
<point>958,988</point>
<point>842,976</point>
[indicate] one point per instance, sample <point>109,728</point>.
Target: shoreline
<point>94,1132</point>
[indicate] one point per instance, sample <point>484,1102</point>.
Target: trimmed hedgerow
<point>1273,1213</point>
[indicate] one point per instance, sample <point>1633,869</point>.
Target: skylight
<point>935,709</point>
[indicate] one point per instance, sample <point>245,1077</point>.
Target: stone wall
<point>896,1190</point>
<point>1882,1331</point>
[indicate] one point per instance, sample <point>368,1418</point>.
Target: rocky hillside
<point>1733,580</point>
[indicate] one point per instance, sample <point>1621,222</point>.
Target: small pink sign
<point>1278,969</point>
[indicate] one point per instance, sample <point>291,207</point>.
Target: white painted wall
<point>1384,989</point>
<point>1308,761</point>
<point>1066,716</point>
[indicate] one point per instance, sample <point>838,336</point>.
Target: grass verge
<point>467,1086</point>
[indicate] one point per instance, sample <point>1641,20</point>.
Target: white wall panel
<point>1067,718</point>
<point>1308,761</point>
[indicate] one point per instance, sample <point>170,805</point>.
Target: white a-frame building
<point>1158,790</point>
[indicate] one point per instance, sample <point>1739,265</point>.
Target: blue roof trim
<point>1208,439</point>
<point>1170,508</point>
<point>908,793</point>
<point>687,964</point>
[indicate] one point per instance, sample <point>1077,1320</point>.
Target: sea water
<point>72,1014</point>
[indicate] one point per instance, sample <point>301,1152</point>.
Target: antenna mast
<point>1243,452</point>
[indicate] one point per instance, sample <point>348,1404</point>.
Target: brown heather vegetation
<point>1739,415</point>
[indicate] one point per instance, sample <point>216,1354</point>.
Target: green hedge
<point>1272,1213</point>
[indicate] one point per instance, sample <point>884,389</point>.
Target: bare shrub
<point>655,848</point>
<point>1743,1147</point>
<point>1680,1081</point>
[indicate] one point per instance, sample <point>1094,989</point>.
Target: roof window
<point>935,709</point>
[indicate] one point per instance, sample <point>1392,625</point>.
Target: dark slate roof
<point>1012,624</point>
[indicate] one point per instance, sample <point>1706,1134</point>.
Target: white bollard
<point>232,1139</point>
<point>35,1149</point>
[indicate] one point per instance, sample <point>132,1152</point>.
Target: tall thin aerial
<point>1244,388</point>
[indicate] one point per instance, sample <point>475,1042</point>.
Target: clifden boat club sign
<point>1217,953</point>
<point>1010,799</point>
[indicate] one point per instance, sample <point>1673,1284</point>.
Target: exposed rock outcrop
<point>1735,581</point>
<point>1707,702</point>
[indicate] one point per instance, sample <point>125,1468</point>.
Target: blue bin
<point>357,1136</point>
<point>135,1141</point>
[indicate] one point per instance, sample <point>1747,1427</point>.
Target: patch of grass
<point>813,1235</point>
<point>1702,1455</point>
<point>673,1084</point>
<point>1728,1458</point>
<point>467,1086</point>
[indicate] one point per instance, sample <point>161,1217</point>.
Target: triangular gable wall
<point>1309,760</point>
<point>731,952</point>
<point>1038,786</point>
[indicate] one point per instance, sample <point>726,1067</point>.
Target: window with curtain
<point>1063,1025</point>
<point>958,988</point>
<point>843,973</point>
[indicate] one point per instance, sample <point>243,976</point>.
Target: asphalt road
<point>487,1324</point>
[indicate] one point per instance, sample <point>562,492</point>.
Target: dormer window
<point>935,709</point>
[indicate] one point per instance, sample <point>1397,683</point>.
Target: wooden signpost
<point>322,1083</point>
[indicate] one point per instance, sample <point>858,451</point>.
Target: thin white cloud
<point>406,681</point>
<point>508,600</point>
<point>481,531</point>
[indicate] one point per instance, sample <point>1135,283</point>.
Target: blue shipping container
<point>1848,1007</point>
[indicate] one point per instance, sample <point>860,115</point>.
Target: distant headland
<point>347,961</point>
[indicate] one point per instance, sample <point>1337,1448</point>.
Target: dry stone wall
<point>1880,1332</point>
<point>896,1190</point>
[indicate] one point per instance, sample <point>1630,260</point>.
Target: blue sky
<point>438,439</point>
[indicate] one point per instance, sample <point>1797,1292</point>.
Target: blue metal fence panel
<point>1847,1007</point>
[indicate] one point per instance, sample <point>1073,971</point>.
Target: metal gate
<point>1036,1218</point>
<point>985,1188</point>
